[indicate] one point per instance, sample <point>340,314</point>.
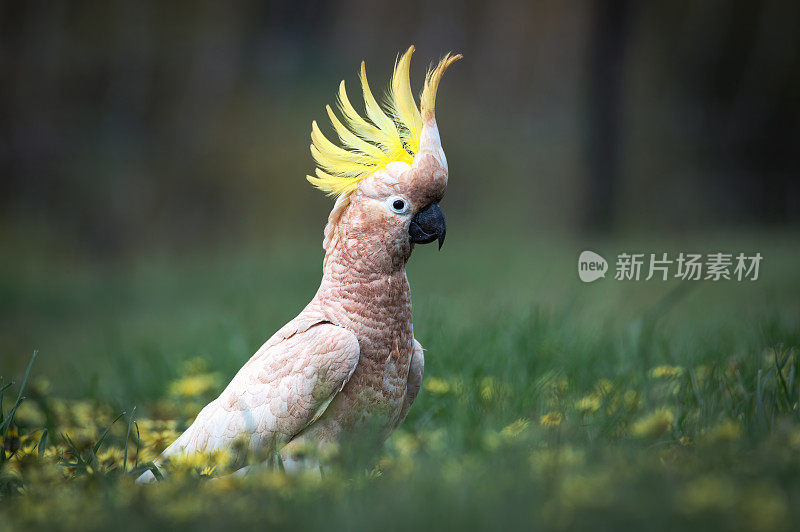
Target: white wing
<point>281,390</point>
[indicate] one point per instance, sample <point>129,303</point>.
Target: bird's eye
<point>398,205</point>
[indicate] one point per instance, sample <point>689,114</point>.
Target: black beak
<point>428,225</point>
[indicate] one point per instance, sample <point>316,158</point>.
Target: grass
<point>546,403</point>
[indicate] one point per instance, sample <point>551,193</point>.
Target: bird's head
<point>390,172</point>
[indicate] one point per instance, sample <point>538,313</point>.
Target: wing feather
<point>415,371</point>
<point>281,390</point>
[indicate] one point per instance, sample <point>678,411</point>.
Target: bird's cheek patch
<point>375,215</point>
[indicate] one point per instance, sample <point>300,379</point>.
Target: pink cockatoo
<point>349,361</point>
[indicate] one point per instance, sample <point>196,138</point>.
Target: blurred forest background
<point>131,126</point>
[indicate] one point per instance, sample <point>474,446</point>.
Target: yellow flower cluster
<point>654,424</point>
<point>666,372</point>
<point>193,385</point>
<point>550,419</point>
<point>585,444</point>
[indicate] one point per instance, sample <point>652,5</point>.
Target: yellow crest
<point>369,144</point>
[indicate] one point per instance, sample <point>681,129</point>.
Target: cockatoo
<point>349,361</point>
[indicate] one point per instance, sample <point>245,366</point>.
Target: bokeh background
<point>129,126</point>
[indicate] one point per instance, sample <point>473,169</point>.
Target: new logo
<point>591,266</point>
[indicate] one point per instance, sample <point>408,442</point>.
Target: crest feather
<point>402,105</point>
<point>393,144</point>
<point>384,136</point>
<point>432,79</point>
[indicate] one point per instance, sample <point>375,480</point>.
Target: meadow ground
<point>547,403</point>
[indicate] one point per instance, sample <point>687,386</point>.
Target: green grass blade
<point>2,392</point>
<point>138,441</point>
<point>154,469</point>
<point>127,437</point>
<point>42,443</point>
<point>105,433</point>
<point>780,364</point>
<point>7,421</point>
<point>79,461</point>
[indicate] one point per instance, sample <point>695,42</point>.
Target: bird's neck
<point>363,283</point>
<point>358,298</point>
<point>362,273</point>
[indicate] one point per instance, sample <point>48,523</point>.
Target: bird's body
<point>348,363</point>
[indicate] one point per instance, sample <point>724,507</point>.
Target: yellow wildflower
<point>157,433</point>
<point>11,441</point>
<point>654,424</point>
<point>550,419</point>
<point>193,385</point>
<point>405,443</point>
<point>488,389</point>
<point>188,462</point>
<point>436,386</point>
<point>515,429</point>
<point>83,412</point>
<point>221,458</point>
<point>492,391</point>
<point>666,372</point>
<point>589,404</point>
<point>110,456</point>
<point>30,413</point>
